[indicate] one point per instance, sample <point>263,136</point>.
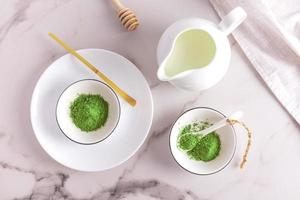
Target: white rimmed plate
<point>133,126</point>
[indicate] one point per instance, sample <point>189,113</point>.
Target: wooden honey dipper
<point>126,16</point>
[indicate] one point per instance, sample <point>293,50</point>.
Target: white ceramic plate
<point>227,137</point>
<point>132,128</point>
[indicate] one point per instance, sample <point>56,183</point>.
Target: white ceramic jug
<point>194,54</point>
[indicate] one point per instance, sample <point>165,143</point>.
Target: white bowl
<point>87,86</point>
<point>227,136</point>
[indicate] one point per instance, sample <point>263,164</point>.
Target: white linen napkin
<point>270,38</point>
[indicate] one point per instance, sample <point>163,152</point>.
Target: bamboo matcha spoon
<point>126,16</point>
<point>118,90</point>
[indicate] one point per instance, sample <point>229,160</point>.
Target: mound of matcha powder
<point>197,147</point>
<point>89,112</point>
<point>187,141</point>
<point>207,148</point>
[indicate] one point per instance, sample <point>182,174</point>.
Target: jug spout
<point>161,74</point>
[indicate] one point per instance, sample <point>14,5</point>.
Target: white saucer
<point>132,128</point>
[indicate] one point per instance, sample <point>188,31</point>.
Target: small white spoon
<point>235,116</point>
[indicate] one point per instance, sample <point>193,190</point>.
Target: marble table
<point>27,172</point>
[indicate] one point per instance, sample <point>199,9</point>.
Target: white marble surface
<point>27,172</point>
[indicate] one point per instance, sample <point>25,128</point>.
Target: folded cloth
<point>269,38</point>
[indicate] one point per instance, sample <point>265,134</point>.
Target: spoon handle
<point>114,86</point>
<point>223,122</point>
<point>214,127</point>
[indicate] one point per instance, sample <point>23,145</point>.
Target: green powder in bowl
<point>89,112</point>
<point>198,148</point>
<point>187,142</point>
<point>207,149</point>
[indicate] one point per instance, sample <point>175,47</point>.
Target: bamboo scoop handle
<point>109,82</point>
<point>126,16</point>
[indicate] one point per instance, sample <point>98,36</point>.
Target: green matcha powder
<point>198,148</point>
<point>89,112</point>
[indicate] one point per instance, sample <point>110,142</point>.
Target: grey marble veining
<point>52,186</point>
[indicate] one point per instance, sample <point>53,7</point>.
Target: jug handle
<point>232,20</point>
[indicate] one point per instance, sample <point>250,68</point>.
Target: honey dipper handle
<point>118,4</point>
